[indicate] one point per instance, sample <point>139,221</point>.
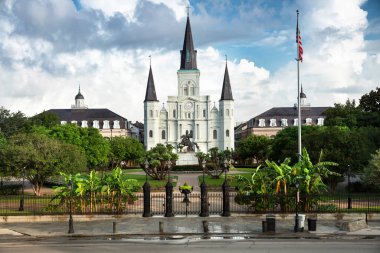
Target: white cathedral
<point>189,113</point>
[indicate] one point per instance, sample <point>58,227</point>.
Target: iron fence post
<point>169,200</point>
<point>146,189</point>
<point>204,201</point>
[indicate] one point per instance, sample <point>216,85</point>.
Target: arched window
<point>227,133</point>
<point>174,114</point>
<point>215,134</point>
<point>150,133</point>
<point>185,91</point>
<point>163,135</point>
<point>227,112</point>
<point>151,113</point>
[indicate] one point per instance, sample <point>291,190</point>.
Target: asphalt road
<point>193,245</point>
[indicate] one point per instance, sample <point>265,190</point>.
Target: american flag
<point>299,43</point>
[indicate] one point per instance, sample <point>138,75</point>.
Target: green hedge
<point>13,189</point>
<point>187,168</point>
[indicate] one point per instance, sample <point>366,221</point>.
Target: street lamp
<point>203,169</point>
<point>169,165</point>
<point>297,184</point>
<point>146,166</point>
<point>21,208</point>
<point>225,166</point>
<point>349,200</point>
<point>71,222</point>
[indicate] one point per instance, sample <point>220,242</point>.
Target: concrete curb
<point>279,217</point>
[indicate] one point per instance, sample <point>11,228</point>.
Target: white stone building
<point>189,111</point>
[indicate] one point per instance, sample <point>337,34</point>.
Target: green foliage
<point>342,114</point>
<point>216,161</point>
<point>158,161</point>
<point>12,123</point>
<point>345,146</point>
<point>89,140</point>
<point>45,119</point>
<point>125,149</point>
<point>370,102</point>
<point>279,180</point>
<point>186,187</point>
<point>254,148</point>
<point>115,189</point>
<point>371,174</point>
<point>40,158</point>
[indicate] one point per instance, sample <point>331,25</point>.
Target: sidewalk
<point>138,226</point>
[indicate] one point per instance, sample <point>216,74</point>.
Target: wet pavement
<point>244,226</point>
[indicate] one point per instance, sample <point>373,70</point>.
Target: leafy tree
<point>217,161</point>
<point>89,140</point>
<point>342,114</point>
<point>45,119</point>
<point>40,157</point>
<point>371,175</point>
<point>124,149</point>
<point>12,123</point>
<point>158,161</point>
<point>370,102</point>
<point>255,148</point>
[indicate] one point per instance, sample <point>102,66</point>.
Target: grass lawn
<point>153,183</point>
<point>248,170</point>
<point>132,170</point>
<point>219,182</point>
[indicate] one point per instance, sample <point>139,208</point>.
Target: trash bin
<point>264,226</point>
<point>301,222</point>
<point>312,224</point>
<point>271,223</point>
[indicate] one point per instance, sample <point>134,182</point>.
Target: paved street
<point>192,245</point>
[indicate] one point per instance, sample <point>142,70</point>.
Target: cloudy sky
<point>49,47</point>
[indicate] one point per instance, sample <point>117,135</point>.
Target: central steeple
<point>188,54</point>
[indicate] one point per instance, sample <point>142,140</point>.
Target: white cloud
<point>35,75</point>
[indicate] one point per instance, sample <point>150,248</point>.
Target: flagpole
<point>298,97</point>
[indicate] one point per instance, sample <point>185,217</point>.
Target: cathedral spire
<point>188,54</point>
<point>150,94</point>
<point>226,90</point>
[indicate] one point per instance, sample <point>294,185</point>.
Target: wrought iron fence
<point>239,203</point>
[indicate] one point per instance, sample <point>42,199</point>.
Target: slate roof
<point>226,90</point>
<point>90,115</point>
<point>150,94</point>
<point>188,54</point>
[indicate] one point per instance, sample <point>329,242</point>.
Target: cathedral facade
<point>189,115</point>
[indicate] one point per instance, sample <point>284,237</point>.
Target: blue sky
<point>49,47</point>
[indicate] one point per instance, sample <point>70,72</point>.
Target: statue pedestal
<point>187,159</point>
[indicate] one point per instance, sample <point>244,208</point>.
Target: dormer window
<point>320,121</point>
<point>84,123</point>
<point>261,122</point>
<point>272,122</point>
<point>106,124</point>
<point>116,124</point>
<point>74,122</point>
<point>309,121</point>
<point>284,122</point>
<point>95,124</point>
<point>296,122</point>
<point>63,122</point>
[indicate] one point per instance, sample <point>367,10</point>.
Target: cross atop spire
<point>188,10</point>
